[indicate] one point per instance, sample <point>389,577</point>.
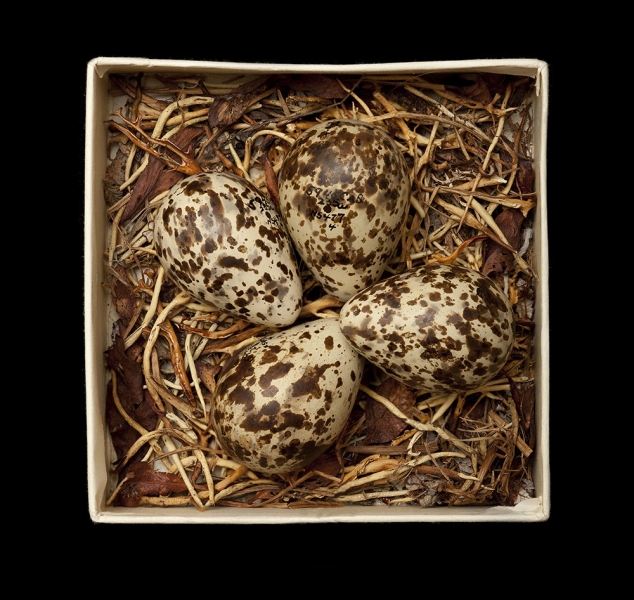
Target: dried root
<point>468,143</point>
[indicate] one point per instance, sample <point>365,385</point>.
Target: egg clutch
<point>344,196</point>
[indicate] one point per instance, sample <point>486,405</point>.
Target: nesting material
<point>467,138</point>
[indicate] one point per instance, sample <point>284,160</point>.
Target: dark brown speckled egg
<point>344,193</point>
<point>437,328</point>
<point>282,402</point>
<point>223,242</point>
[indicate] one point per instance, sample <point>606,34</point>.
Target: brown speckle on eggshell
<point>437,328</point>
<point>223,242</point>
<point>344,194</point>
<point>281,402</point>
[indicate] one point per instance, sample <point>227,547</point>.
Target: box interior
<point>98,110</point>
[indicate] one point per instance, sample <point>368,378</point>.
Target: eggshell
<point>223,242</point>
<point>344,194</point>
<point>283,401</point>
<point>438,328</point>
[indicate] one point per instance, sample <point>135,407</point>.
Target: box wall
<point>95,298</point>
<point>542,342</point>
<point>97,108</point>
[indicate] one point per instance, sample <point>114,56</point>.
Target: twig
<point>416,424</point>
<point>188,166</point>
<point>456,449</point>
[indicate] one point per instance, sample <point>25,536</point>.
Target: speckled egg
<point>223,242</point>
<point>281,402</point>
<point>344,194</point>
<point>438,328</point>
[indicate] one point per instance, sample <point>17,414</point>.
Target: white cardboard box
<point>98,109</point>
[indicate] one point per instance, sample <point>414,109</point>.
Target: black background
<point>279,44</point>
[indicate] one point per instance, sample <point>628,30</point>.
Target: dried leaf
<point>130,371</point>
<point>483,89</point>
<point>123,296</point>
<point>326,463</point>
<point>157,177</point>
<point>227,109</point>
<point>262,495</point>
<point>525,176</point>
<point>524,396</point>
<point>114,178</point>
<point>131,396</point>
<point>497,258</point>
<point>315,84</point>
<point>122,435</point>
<point>271,182</point>
<point>145,481</point>
<point>382,426</point>
<point>477,91</point>
<point>207,374</point>
<point>131,90</point>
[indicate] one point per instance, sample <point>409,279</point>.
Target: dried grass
<point>468,142</point>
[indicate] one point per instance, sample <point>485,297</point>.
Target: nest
<point>467,140</point>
